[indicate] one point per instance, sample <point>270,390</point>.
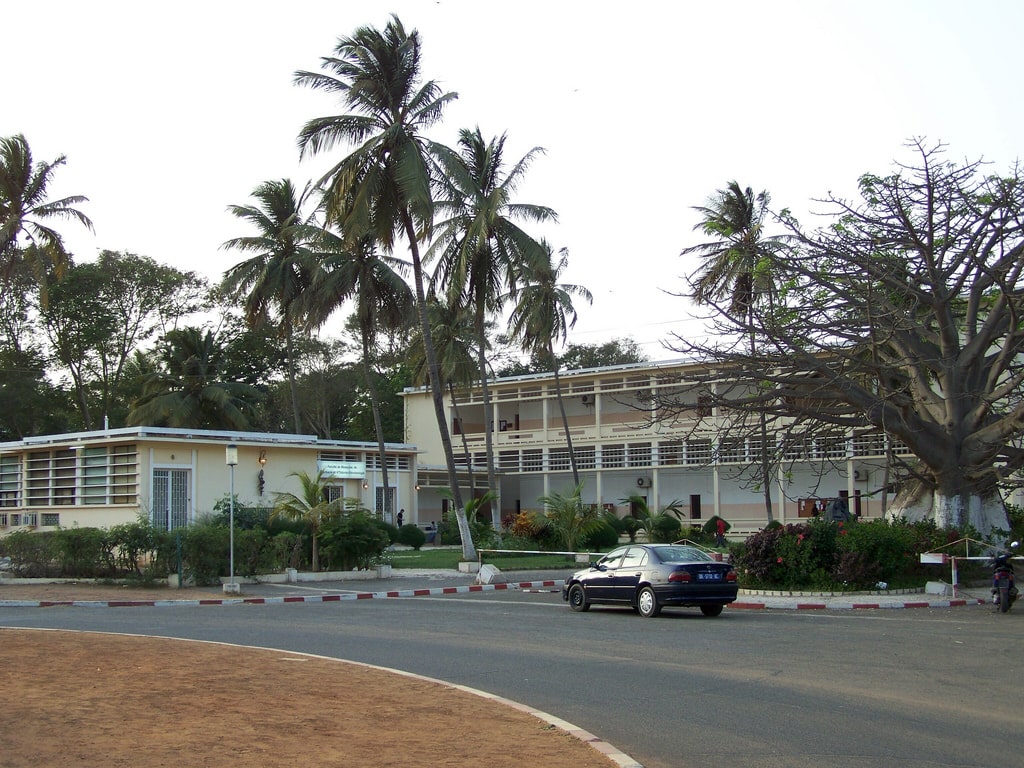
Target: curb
<point>846,605</point>
<point>526,585</point>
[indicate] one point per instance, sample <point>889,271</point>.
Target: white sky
<point>170,112</point>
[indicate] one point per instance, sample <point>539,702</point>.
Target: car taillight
<point>679,576</point>
<point>730,576</point>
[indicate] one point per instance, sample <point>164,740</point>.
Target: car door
<point>600,579</point>
<point>628,572</point>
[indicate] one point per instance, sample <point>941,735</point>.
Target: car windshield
<point>682,555</point>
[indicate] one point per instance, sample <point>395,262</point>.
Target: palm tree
<point>569,519</point>
<point>736,267</point>
<point>281,265</point>
<point>479,247</point>
<point>382,189</point>
<point>310,507</point>
<point>188,391</point>
<point>24,212</point>
<point>543,314</point>
<point>648,520</point>
<point>453,344</point>
<point>383,300</point>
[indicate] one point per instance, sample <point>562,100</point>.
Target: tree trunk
<point>468,550</point>
<point>377,425</point>
<point>565,420</point>
<point>465,443</point>
<point>293,390</point>
<point>917,501</point>
<point>481,354</point>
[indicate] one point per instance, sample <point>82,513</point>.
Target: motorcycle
<point>1004,588</point>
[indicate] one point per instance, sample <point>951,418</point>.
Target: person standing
<point>720,533</point>
<point>401,517</point>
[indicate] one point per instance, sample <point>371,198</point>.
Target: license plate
<point>707,577</point>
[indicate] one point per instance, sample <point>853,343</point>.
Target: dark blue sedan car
<point>649,577</point>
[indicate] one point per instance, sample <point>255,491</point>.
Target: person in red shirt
<point>720,533</point>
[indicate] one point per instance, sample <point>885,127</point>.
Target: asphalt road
<point>849,689</point>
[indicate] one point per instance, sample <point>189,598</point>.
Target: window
<point>585,458</point>
<point>698,451</point>
<point>533,460</point>
<point>10,481</point>
<point>639,454</point>
<point>558,459</point>
<point>613,456</point>
<point>50,518</point>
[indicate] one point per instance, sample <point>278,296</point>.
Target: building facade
<point>171,477</point>
<point>625,442</point>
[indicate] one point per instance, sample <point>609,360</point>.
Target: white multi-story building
<point>626,444</point>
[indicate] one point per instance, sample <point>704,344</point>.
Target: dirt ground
<point>89,699</point>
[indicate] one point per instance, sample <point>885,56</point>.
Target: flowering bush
<point>822,554</point>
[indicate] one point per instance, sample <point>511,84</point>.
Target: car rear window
<point>682,555</point>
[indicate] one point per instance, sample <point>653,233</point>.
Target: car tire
<point>647,603</point>
<point>578,598</point>
<point>712,610</point>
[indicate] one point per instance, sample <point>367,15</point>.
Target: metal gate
<point>171,508</point>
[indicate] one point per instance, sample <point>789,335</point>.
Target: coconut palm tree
<point>453,343</point>
<point>187,390</point>
<point>310,507</point>
<point>478,247</point>
<point>281,265</point>
<point>736,268</point>
<point>25,212</point>
<point>543,314</point>
<point>382,298</point>
<point>383,188</point>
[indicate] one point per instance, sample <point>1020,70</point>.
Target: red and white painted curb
<point>791,604</point>
<point>331,598</point>
<point>774,603</point>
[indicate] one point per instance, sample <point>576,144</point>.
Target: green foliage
<point>825,555</point>
<point>247,517</point>
<point>389,529</point>
<point>132,543</point>
<point>711,526</point>
<point>411,535</point>
<point>32,554</point>
<point>602,537</point>
<point>568,519</point>
<point>666,529</point>
<point>352,541</point>
<point>205,551</point>
<point>82,552</point>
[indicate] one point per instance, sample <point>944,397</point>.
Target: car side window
<point>635,558</point>
<point>611,560</point>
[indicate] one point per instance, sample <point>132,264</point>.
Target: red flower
<point>779,560</point>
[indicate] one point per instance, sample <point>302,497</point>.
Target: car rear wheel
<point>647,603</point>
<point>578,598</point>
<point>711,610</point>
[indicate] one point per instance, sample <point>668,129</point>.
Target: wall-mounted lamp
<point>417,486</point>
<point>365,485</point>
<point>263,457</point>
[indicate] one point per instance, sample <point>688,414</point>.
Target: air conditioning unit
<point>643,482</point>
<point>587,399</point>
<point>860,474</point>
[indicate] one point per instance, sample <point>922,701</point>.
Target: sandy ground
<point>88,699</point>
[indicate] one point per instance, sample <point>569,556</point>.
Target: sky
<point>168,113</point>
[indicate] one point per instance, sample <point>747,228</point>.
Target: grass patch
<point>449,559</point>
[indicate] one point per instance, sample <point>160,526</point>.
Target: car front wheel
<point>711,610</point>
<point>647,603</point>
<point>578,598</point>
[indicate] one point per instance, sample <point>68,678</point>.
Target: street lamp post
<point>231,459</point>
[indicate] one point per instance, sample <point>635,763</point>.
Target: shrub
<point>352,541</point>
<point>411,535</point>
<point>205,552</point>
<point>389,529</point>
<point>133,544</point>
<point>666,528</point>
<point>602,537</point>
<point>80,552</point>
<point>33,555</point>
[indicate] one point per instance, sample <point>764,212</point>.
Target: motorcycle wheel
<point>1004,600</point>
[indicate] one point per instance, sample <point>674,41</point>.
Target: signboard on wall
<point>343,469</point>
